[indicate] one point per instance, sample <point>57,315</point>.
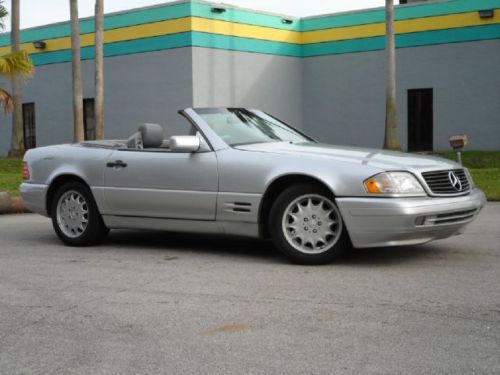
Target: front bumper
<point>376,222</point>
<point>34,197</point>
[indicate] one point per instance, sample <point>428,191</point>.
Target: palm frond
<point>3,14</point>
<point>6,100</point>
<point>16,63</point>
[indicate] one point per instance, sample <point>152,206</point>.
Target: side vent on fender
<point>241,207</point>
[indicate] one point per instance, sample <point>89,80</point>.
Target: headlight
<point>394,184</point>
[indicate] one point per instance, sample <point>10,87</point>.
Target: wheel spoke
<point>72,214</point>
<point>312,224</point>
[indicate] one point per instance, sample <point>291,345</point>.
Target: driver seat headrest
<point>151,134</point>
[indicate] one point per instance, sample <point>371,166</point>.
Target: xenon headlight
<point>394,184</point>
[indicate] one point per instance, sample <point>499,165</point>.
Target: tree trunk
<point>391,139</point>
<point>17,140</point>
<point>78,134</point>
<point>99,70</point>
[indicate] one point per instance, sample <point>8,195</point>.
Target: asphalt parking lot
<point>159,303</point>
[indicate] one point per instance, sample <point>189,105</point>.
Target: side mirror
<point>184,143</point>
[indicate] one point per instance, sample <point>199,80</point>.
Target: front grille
<point>449,182</point>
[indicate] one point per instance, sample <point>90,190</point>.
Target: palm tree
<point>391,139</point>
<point>99,70</point>
<point>14,63</point>
<point>77,73</point>
<point>17,63</point>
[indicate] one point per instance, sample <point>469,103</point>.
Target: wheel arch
<point>57,182</point>
<point>275,188</point>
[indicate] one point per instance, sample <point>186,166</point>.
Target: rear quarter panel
<point>46,164</point>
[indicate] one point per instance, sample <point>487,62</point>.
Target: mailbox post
<point>458,143</point>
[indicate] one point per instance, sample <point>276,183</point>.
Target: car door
<point>161,184</point>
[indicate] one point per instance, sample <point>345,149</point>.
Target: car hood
<point>383,159</point>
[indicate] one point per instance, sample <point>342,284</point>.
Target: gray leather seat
<point>147,136</point>
<point>152,135</point>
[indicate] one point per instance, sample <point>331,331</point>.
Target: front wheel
<point>307,226</point>
<point>75,217</point>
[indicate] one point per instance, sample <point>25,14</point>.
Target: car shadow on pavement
<point>389,255</point>
<point>223,245</point>
<point>198,243</point>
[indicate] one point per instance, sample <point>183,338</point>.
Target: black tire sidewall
<point>278,237</point>
<point>95,230</point>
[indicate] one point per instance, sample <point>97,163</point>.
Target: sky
<point>38,12</point>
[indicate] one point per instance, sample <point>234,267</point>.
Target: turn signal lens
<point>26,171</point>
<point>371,186</point>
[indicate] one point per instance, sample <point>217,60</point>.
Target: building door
<point>420,119</point>
<point>29,126</point>
<point>89,119</point>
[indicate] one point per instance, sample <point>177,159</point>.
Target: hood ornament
<point>455,181</point>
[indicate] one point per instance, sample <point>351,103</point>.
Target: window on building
<point>420,119</point>
<point>89,119</point>
<point>29,126</point>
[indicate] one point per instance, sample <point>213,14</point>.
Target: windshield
<point>238,126</point>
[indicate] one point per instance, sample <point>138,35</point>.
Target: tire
<point>75,217</point>
<point>321,236</point>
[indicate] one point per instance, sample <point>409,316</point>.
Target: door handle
<point>117,163</point>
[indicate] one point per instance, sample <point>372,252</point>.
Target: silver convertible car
<point>243,172</point>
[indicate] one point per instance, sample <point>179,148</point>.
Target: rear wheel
<point>307,226</point>
<point>75,217</point>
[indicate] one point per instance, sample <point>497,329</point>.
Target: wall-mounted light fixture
<point>218,10</point>
<point>486,13</point>
<point>286,20</point>
<point>39,44</point>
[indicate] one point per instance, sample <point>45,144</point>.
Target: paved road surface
<point>186,304</point>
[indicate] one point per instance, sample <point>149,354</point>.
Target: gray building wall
<point>244,79</point>
<point>147,87</point>
<point>344,95</point>
<point>337,99</point>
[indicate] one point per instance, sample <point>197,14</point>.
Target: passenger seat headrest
<point>152,135</point>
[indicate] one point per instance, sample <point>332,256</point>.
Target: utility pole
<point>99,69</point>
<point>391,138</point>
<point>17,140</point>
<point>78,135</point>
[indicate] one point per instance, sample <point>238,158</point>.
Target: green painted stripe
<point>110,22</point>
<point>245,44</point>
<point>119,48</point>
<point>203,10</point>
<point>403,12</point>
<point>243,16</point>
<point>466,34</point>
<point>151,15</point>
<point>185,39</point>
<point>224,42</point>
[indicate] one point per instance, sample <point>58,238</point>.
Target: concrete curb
<point>11,205</point>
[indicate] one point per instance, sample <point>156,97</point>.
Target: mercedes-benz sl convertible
<point>243,172</point>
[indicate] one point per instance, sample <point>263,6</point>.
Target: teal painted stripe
<point>186,39</point>
<point>466,34</point>
<point>243,16</point>
<point>207,40</point>
<point>173,11</point>
<point>151,15</point>
<point>344,46</point>
<point>110,22</point>
<point>245,44</point>
<point>119,48</point>
<point>401,13</point>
